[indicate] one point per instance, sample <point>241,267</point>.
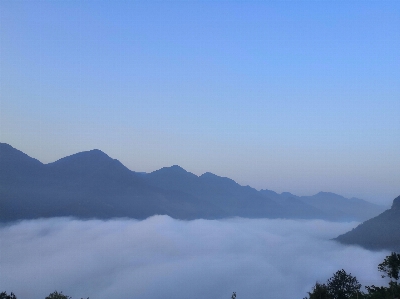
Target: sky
<point>161,257</point>
<point>297,96</point>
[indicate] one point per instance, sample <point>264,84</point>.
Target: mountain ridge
<point>378,233</point>
<point>91,184</point>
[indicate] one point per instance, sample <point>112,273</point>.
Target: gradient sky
<point>298,96</point>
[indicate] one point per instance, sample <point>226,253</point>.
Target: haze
<point>165,258</point>
<point>298,96</point>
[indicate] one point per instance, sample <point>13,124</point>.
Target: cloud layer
<point>165,258</point>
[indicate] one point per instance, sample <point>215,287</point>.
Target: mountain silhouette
<point>85,185</point>
<point>91,184</point>
<point>339,207</point>
<point>224,193</point>
<point>378,233</point>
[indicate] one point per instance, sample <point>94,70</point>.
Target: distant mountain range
<point>93,185</point>
<point>380,232</point>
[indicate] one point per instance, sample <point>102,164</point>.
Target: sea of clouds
<point>161,257</point>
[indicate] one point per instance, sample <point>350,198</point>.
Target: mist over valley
<point>165,257</point>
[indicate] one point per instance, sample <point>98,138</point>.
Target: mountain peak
<point>91,155</point>
<point>209,174</point>
<point>176,167</point>
<point>93,159</point>
<point>173,169</point>
<point>396,203</point>
<point>210,177</point>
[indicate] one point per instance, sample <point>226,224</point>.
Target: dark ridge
<point>396,203</point>
<point>91,184</point>
<point>379,233</point>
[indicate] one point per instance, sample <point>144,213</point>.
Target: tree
<point>343,286</point>
<point>340,286</point>
<point>378,292</point>
<point>390,266</point>
<point>4,295</point>
<point>320,291</point>
<point>57,295</point>
<point>233,295</point>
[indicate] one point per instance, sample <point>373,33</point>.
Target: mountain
<point>341,208</point>
<point>344,209</point>
<point>86,185</point>
<point>378,233</point>
<point>295,207</point>
<point>326,205</point>
<point>224,193</point>
<point>93,185</point>
<point>15,164</point>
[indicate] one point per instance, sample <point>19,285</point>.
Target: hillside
<point>380,232</point>
<point>327,204</point>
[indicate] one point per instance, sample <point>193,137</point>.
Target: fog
<point>161,257</point>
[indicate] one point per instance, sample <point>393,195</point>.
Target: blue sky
<point>298,96</point>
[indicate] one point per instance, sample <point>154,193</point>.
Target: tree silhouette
<point>320,291</point>
<point>57,295</point>
<point>391,266</point>
<point>342,285</point>
<point>4,295</point>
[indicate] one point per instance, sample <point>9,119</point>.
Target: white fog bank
<point>165,258</point>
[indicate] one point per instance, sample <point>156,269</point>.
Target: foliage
<point>57,295</point>
<point>233,295</point>
<point>342,285</point>
<point>391,266</point>
<point>4,295</point>
<point>54,295</point>
<point>320,291</point>
<point>393,291</point>
<point>377,292</point>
